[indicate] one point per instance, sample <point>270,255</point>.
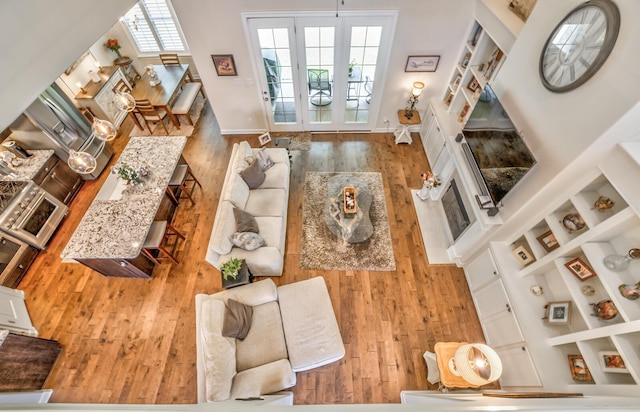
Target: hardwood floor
<point>133,340</point>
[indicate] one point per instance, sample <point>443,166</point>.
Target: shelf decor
<point>548,241</point>
<point>523,256</point>
<point>611,361</point>
<point>580,269</point>
<point>579,370</point>
<point>573,222</point>
<point>558,313</point>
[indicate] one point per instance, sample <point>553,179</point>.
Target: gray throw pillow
<point>253,175</point>
<point>247,240</point>
<point>237,320</point>
<point>262,158</point>
<point>245,222</point>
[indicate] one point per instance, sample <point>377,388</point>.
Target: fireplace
<point>455,211</point>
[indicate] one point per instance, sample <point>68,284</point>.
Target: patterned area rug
<point>299,140</point>
<point>185,128</point>
<point>321,249</point>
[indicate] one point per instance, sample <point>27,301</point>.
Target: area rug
<point>185,128</point>
<point>299,140</point>
<point>321,249</point>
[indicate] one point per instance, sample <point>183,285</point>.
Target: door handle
<point>266,99</point>
<point>508,307</point>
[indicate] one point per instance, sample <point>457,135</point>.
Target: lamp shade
<point>81,162</point>
<point>104,129</point>
<point>125,102</point>
<point>476,363</point>
<point>417,89</point>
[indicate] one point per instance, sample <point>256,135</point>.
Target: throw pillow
<point>262,158</point>
<point>247,240</point>
<point>245,222</point>
<point>237,320</point>
<point>253,175</point>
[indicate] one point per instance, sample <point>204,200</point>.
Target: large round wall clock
<point>579,45</point>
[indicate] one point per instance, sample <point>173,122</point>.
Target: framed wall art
<point>558,313</point>
<point>264,138</point>
<point>523,256</point>
<point>224,64</point>
<point>473,85</point>
<point>422,63</point>
<point>580,269</point>
<point>611,361</point>
<point>548,241</point>
<point>579,370</point>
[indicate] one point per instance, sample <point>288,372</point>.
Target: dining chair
<point>122,87</point>
<point>151,114</point>
<point>170,59</point>
<point>318,79</point>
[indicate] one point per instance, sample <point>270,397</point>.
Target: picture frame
<point>264,138</point>
<point>457,81</point>
<point>427,63</point>
<point>579,370</point>
<point>224,64</point>
<point>523,255</point>
<point>448,99</point>
<point>580,269</point>
<point>611,361</point>
<point>473,84</point>
<point>558,313</point>
<point>548,241</point>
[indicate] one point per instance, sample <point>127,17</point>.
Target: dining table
<point>162,95</point>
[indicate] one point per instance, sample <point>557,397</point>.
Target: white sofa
<point>293,329</point>
<point>268,204</point>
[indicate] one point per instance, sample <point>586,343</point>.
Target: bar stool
<point>181,175</point>
<point>156,240</point>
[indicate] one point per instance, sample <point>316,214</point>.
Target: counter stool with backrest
<point>181,176</point>
<point>157,240</point>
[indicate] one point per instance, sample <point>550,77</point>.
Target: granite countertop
<point>30,166</point>
<point>117,222</point>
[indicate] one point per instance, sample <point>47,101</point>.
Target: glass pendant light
<point>81,162</point>
<point>104,129</point>
<point>125,102</point>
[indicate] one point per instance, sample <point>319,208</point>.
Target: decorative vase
<point>604,310</point>
<point>618,263</point>
<point>118,54</point>
<point>630,292</point>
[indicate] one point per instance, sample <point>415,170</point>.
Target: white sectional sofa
<point>293,329</point>
<point>267,203</point>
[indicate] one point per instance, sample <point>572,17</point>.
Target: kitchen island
<point>110,236</point>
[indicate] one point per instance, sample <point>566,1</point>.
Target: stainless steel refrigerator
<point>52,121</point>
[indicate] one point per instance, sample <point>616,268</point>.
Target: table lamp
<point>476,363</point>
<point>413,99</point>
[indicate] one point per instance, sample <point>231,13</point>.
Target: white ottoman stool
<point>309,323</point>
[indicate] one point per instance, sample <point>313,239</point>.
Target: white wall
<point>423,27</point>
<point>39,39</point>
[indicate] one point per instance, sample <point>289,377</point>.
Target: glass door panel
<point>319,45</point>
<point>363,57</point>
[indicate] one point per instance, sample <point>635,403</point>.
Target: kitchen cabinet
<point>57,178</point>
<point>13,277</point>
<point>100,97</point>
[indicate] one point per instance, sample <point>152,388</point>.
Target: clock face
<point>579,45</point>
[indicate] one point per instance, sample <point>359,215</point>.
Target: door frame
<point>383,59</point>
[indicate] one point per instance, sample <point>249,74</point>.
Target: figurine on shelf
<point>631,292</point>
<point>603,203</point>
<point>429,180</point>
<point>604,310</point>
<point>153,76</point>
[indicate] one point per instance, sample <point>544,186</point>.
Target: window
<point>154,28</point>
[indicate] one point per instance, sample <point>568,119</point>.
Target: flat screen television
<point>497,155</point>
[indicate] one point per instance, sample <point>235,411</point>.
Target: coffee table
<point>244,276</point>
<point>351,228</point>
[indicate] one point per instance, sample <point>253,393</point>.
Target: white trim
<point>242,131</point>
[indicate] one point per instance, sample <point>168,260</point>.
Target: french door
<point>321,73</point>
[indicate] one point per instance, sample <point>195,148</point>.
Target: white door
<point>13,312</point>
<point>481,270</point>
<point>520,369</point>
<point>325,73</point>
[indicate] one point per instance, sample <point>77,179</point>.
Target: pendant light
<point>81,162</point>
<point>104,129</point>
<point>125,102</point>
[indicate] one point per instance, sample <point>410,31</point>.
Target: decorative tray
<point>349,198</point>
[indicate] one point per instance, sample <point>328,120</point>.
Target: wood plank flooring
<point>133,340</point>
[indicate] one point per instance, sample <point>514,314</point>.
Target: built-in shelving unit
<point>478,63</point>
<point>611,231</point>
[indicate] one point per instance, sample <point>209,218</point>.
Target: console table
<point>402,133</point>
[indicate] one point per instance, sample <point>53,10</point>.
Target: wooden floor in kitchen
<point>133,340</point>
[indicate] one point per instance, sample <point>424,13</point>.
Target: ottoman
<point>309,324</point>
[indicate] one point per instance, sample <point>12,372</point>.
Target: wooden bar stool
<point>181,176</point>
<point>157,240</point>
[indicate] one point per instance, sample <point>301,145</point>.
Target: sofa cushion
<point>219,370</point>
<point>265,341</point>
<point>237,320</point>
<point>273,230</point>
<point>236,191</point>
<point>245,222</point>
<point>267,202</point>
<point>247,240</point>
<point>212,316</point>
<point>263,380</point>
<point>253,175</point>
<point>253,294</point>
<point>264,261</point>
<point>223,228</point>
<point>276,178</point>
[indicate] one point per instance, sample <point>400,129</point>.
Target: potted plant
<point>231,268</point>
<point>129,174</point>
<point>351,64</point>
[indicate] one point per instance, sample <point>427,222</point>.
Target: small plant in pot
<point>231,268</point>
